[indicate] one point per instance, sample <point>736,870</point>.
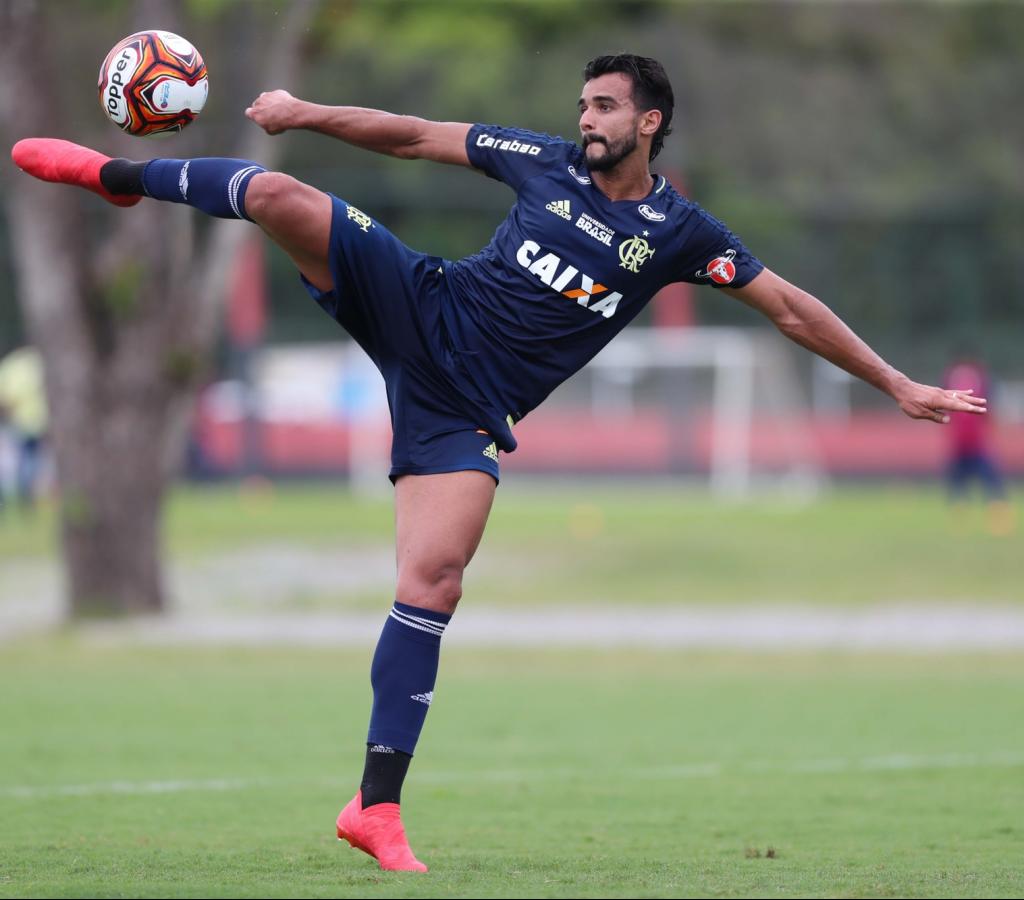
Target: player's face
<point>609,122</point>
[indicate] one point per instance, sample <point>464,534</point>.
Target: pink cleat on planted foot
<point>50,159</point>
<point>378,831</point>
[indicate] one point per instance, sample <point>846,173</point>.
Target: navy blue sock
<point>403,674</point>
<point>213,184</point>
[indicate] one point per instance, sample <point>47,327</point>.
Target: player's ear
<point>650,122</point>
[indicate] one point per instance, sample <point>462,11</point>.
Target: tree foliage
<point>867,150</point>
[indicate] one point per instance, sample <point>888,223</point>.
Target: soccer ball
<point>153,82</point>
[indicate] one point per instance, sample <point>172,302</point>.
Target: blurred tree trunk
<point>125,319</point>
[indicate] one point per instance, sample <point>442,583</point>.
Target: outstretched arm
<point>407,137</point>
<point>810,323</point>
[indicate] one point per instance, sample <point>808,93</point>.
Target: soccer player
<point>468,348</point>
<point>23,405</point>
<point>972,454</point>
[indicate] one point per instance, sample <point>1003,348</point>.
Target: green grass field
<point>622,545</point>
<point>132,772</point>
<point>186,771</point>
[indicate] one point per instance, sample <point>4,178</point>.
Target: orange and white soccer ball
<point>153,82</point>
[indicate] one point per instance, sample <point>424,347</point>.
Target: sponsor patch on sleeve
<point>721,270</point>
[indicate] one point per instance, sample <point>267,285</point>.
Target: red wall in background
<point>642,442</point>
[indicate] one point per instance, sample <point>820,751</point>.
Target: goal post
<point>725,404</point>
<point>749,376</point>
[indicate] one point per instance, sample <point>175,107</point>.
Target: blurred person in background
<point>23,407</point>
<point>971,453</point>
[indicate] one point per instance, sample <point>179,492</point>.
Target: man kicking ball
<point>468,348</point>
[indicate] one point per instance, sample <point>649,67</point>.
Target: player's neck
<point>627,181</point>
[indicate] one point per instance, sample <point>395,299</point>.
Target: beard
<point>615,152</point>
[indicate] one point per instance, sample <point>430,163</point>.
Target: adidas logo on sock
<point>560,208</point>
<point>423,698</point>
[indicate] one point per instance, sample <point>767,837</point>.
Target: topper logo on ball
<point>118,75</point>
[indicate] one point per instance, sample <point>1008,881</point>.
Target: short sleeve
<point>512,155</point>
<point>712,254</point>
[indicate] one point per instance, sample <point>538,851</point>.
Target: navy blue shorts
<point>389,298</point>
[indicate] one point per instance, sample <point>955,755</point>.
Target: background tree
<point>867,151</point>
<point>123,304</point>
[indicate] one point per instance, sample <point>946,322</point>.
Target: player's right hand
<point>273,111</point>
<point>922,401</point>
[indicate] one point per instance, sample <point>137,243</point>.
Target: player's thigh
<point>297,217</point>
<point>439,520</point>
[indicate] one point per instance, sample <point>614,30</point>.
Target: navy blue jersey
<point>569,268</point>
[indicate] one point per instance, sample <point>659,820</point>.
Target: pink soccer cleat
<point>378,831</point>
<point>50,159</point>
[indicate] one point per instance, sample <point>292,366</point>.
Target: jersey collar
<point>582,175</point>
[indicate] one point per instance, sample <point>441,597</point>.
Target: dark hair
<point>651,88</point>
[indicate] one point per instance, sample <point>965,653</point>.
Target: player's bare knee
<point>437,587</point>
<point>269,194</point>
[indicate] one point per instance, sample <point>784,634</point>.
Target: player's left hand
<point>922,401</point>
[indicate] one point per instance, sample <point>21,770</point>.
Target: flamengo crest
<point>360,218</point>
<point>634,252</point>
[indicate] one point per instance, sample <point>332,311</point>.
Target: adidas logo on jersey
<point>560,208</point>
<point>491,451</point>
<point>423,698</point>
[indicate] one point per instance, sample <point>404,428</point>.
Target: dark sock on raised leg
<point>216,185</point>
<point>383,775</point>
<point>122,176</point>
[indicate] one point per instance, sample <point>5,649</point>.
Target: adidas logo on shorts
<point>491,451</point>
<point>560,208</point>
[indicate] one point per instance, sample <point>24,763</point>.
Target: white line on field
<point>917,628</point>
<point>892,762</point>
